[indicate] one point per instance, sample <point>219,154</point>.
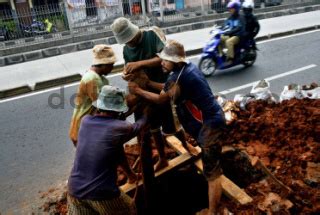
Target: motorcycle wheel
<point>250,58</point>
<point>207,66</point>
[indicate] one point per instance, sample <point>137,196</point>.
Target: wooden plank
<point>175,163</point>
<point>230,189</point>
<point>176,144</point>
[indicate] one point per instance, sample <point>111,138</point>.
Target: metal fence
<point>55,21</point>
<point>26,23</point>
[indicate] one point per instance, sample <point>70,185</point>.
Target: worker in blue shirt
<point>197,110</point>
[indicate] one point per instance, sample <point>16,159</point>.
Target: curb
<point>15,91</point>
<point>9,93</point>
<point>69,45</point>
<point>118,68</point>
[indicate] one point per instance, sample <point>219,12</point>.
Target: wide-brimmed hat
<point>111,99</point>
<point>103,54</point>
<point>123,30</point>
<point>174,52</point>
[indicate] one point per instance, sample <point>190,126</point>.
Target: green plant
<point>55,18</point>
<point>10,24</point>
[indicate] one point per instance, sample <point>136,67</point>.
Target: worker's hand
<point>74,142</point>
<point>132,67</point>
<point>127,77</point>
<point>134,177</point>
<point>133,87</point>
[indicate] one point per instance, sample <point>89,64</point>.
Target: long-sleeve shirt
<point>235,25</point>
<point>252,26</point>
<point>99,152</point>
<point>88,91</point>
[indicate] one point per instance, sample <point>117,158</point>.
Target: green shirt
<point>88,91</point>
<point>148,48</point>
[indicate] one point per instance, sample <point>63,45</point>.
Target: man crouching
<point>92,185</point>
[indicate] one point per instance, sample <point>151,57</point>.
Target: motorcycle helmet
<point>247,7</point>
<point>235,4</point>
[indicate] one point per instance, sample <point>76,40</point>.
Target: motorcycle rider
<point>233,29</point>
<point>252,26</point>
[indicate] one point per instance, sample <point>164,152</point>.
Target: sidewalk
<point>44,73</point>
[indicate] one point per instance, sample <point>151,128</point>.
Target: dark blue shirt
<point>99,151</point>
<point>194,88</point>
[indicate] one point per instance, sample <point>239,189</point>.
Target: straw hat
<point>111,99</point>
<point>124,30</point>
<point>174,52</point>
<point>103,54</point>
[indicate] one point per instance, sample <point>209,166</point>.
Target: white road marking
<point>118,74</point>
<point>268,79</point>
<point>285,37</point>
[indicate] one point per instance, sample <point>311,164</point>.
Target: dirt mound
<point>286,137</point>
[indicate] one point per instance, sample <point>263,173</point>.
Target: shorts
<point>160,117</point>
<point>209,140</point>
<point>122,205</point>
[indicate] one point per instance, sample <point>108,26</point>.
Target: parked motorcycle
<point>38,28</point>
<point>211,58</point>
<point>4,33</point>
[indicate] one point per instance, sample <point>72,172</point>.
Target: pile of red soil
<point>286,137</point>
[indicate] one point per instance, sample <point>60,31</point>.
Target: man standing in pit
<point>140,54</point>
<point>198,111</point>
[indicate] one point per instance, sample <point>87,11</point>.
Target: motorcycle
<point>211,58</point>
<point>4,33</point>
<point>38,28</point>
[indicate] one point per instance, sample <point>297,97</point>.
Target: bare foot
<point>191,149</point>
<point>162,163</point>
<point>203,212</point>
<point>134,178</point>
<point>206,212</point>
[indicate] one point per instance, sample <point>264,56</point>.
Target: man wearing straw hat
<point>90,86</point>
<point>92,185</point>
<point>198,111</point>
<point>140,54</point>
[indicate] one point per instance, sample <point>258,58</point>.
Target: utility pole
<point>143,5</point>
<point>202,6</point>
<point>161,10</point>
<point>69,17</point>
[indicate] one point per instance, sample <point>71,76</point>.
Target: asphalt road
<point>36,153</point>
